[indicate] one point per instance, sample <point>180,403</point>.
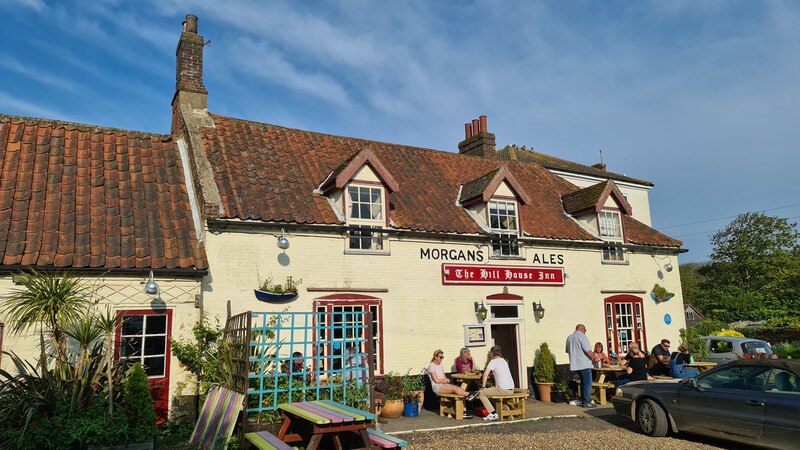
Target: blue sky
<point>700,97</point>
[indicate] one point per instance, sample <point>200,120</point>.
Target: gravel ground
<point>580,433</point>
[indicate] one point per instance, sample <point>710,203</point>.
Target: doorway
<point>505,336</point>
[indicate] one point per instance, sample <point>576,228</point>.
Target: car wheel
<point>651,418</point>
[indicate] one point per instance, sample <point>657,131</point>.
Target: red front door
<point>143,337</point>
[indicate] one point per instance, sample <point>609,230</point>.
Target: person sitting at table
<point>440,383</point>
<point>503,381</point>
<point>297,367</point>
<point>636,365</point>
<point>600,356</point>
<point>662,356</point>
<point>676,364</point>
<point>464,362</point>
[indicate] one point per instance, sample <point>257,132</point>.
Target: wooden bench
<point>451,404</point>
<point>384,440</point>
<point>264,440</point>
<point>508,406</point>
<point>599,390</point>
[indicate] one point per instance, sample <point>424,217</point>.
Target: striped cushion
<point>217,419</point>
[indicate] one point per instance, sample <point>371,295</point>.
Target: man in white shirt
<point>580,362</point>
<point>504,382</point>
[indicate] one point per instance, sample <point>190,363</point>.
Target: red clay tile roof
<point>269,173</point>
<point>345,172</point>
<point>638,233</point>
<point>514,153</point>
<point>481,189</point>
<point>79,196</point>
<point>593,198</point>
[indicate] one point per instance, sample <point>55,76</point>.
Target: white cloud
<point>37,73</point>
<point>36,5</point>
<point>20,107</point>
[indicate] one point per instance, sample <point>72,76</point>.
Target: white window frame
<point>613,253</point>
<point>378,244</point>
<point>500,234</point>
<point>611,230</point>
<point>139,356</point>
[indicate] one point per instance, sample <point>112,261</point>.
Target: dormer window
<point>610,224</point>
<point>504,224</point>
<point>366,203</point>
<point>365,218</point>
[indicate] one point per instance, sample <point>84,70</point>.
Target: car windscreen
<point>756,348</point>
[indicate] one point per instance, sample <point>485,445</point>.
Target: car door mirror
<point>693,384</point>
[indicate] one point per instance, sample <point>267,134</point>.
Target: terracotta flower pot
<point>544,390</point>
<point>392,409</point>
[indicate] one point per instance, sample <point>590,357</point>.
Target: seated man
<point>661,352</point>
<point>504,382</point>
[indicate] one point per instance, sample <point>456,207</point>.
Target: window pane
<point>132,325</point>
<point>154,366</point>
<point>130,346</point>
<point>364,212</point>
<point>354,210</point>
<point>353,191</point>
<point>364,195</point>
<point>155,345</point>
<point>156,325</point>
<point>376,196</point>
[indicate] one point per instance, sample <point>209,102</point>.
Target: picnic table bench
<point>312,421</point>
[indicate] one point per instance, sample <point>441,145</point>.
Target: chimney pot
<point>476,127</point>
<point>467,130</point>
<point>190,24</point>
<point>478,141</point>
<point>483,124</point>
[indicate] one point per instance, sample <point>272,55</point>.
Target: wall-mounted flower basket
<point>269,292</point>
<point>660,294</point>
<point>266,296</point>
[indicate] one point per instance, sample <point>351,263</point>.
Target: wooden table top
<point>701,364</point>
<point>466,376</point>
<point>609,369</point>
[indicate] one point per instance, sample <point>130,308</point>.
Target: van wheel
<point>652,419</point>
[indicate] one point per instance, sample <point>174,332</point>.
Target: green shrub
<point>139,407</point>
<point>544,370</point>
<point>787,350</point>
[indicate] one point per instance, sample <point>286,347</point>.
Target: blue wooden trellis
<point>300,356</point>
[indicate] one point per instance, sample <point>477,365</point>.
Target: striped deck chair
<point>217,419</point>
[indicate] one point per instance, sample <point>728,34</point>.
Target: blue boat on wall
<point>271,297</point>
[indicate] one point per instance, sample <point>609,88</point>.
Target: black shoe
<point>466,415</point>
<point>472,396</point>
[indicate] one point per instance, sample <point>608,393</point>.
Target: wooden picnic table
<point>701,366</point>
<point>312,421</point>
<point>465,378</point>
<point>600,385</point>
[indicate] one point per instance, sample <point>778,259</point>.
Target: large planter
<point>410,409</point>
<point>544,390</point>
<point>392,409</point>
<point>557,397</point>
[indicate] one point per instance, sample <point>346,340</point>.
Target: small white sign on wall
<point>474,335</point>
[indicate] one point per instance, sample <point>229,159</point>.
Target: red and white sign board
<point>519,275</point>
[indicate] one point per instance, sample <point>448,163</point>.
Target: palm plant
<point>46,300</point>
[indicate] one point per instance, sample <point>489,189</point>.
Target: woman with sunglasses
<point>440,383</point>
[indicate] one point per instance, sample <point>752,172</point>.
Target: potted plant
<point>559,390</point>
<point>392,388</point>
<point>660,294</point>
<point>275,292</point>
<point>544,372</point>
<point>413,388</point>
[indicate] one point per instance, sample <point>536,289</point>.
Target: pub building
<point>446,249</point>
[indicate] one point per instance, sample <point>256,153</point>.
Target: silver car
<point>723,349</point>
<point>754,401</point>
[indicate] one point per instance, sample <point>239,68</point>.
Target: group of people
<point>496,367</point>
<point>639,365</point>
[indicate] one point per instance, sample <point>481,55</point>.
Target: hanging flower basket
<point>266,296</point>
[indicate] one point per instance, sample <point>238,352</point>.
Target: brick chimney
<point>600,166</point>
<point>477,140</point>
